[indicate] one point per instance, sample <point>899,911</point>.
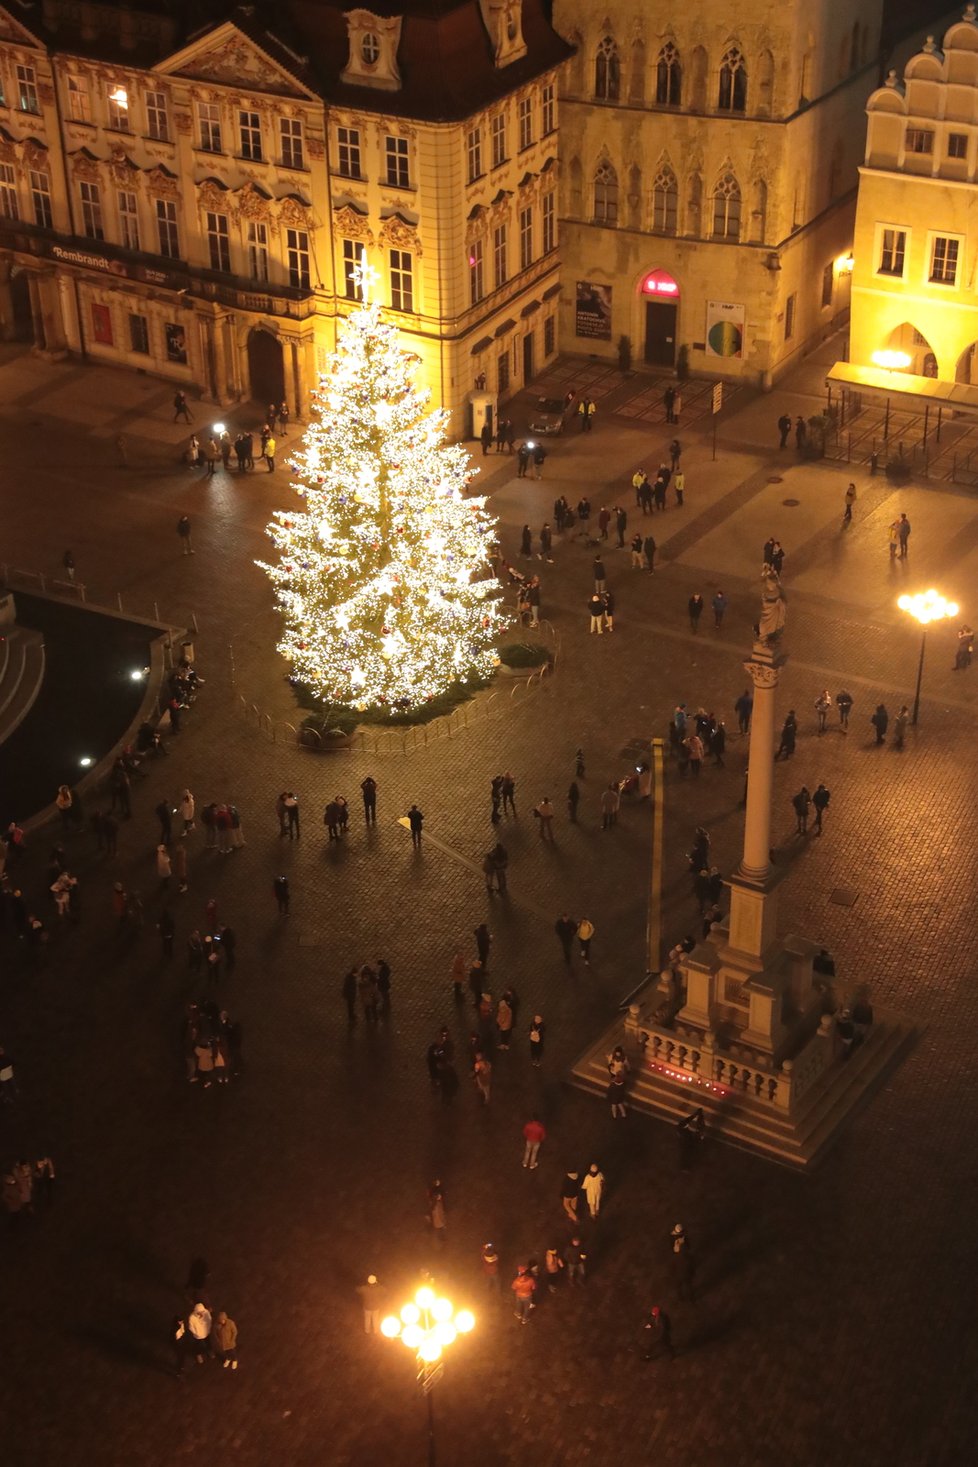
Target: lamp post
<point>925,607</point>
<point>428,1325</point>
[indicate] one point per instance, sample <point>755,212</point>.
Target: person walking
<point>534,1135</point>
<point>682,1262</point>
<point>373,1297</point>
<point>801,433</point>
<point>522,460</point>
<point>844,703</point>
<point>679,487</point>
<point>593,1188</point>
<point>657,1329</point>
<point>224,1338</point>
<point>694,753</point>
<point>523,1287</point>
<point>183,530</point>
<point>482,1075</point>
<point>638,558</point>
<point>368,789</point>
<point>880,721</point>
<point>823,706</point>
<point>508,789</point>
<point>570,1191</point>
<point>415,819</point>
<point>903,534</point>
<point>280,886</point>
<point>539,457</point>
<point>290,800</point>
<point>719,605</point>
<point>668,401</point>
<point>199,1324</point>
<point>575,1259</point>
<point>801,803</point>
<point>610,801</point>
<point>485,438</point>
<point>894,539</point>
<point>784,428</point>
<point>789,733</point>
<point>675,454</point>
<point>820,800</point>
<point>595,608</point>
<point>483,943</point>
<point>616,1097</point>
<point>211,455</point>
<point>900,727</point>
<point>585,935</point>
<point>585,411</point>
<point>181,408</point>
<point>604,520</point>
<point>744,707</point>
<point>621,525</point>
<point>545,814</point>
<point>504,1022</point>
<point>490,1269</point>
<point>187,811</point>
<point>537,1034</point>
<point>599,576</point>
<point>695,609</point>
<point>608,601</point>
<point>850,501</point>
<point>566,930</point>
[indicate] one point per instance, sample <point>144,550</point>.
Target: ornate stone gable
<point>12,31</point>
<point>231,58</point>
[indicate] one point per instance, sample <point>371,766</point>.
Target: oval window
<point>370,48</point>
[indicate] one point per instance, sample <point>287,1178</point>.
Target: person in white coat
<point>187,811</point>
<point>592,1187</point>
<point>199,1325</point>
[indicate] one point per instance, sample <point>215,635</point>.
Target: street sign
<point>717,396</point>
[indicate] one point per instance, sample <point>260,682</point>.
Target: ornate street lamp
<point>428,1325</point>
<point>925,607</point>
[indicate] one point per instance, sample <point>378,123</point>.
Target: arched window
<point>607,72</point>
<point>694,205</point>
<point>665,201</point>
<point>699,65</point>
<point>732,96</point>
<point>758,213</point>
<point>636,83</point>
<point>726,208</point>
<point>668,77</point>
<point>605,194</point>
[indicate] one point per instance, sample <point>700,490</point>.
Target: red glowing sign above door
<point>658,282</point>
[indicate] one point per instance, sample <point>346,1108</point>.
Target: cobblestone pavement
<point>833,1320</point>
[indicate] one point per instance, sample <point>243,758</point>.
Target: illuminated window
<point>118,109</point>
<point>27,90</point>
<point>477,277</point>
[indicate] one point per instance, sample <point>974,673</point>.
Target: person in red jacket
<point>524,1287</point>
<point>533,1133</point>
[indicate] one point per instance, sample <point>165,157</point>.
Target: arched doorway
<point>21,326</point>
<point>266,370</point>
<point>908,350</point>
<point>661,295</point>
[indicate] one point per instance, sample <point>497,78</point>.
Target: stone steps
<point>798,1140</point>
<point>21,676</point>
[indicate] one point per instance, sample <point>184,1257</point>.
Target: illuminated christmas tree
<point>382,574</point>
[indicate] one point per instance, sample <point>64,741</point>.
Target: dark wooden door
<point>660,333</point>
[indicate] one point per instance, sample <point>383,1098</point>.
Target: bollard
<point>873,461</point>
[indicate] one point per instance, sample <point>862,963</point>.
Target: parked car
<point>551,413</point>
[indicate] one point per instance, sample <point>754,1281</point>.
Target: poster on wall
<point>724,329</point>
<point>101,324</point>
<point>176,343</point>
<point>593,314</point>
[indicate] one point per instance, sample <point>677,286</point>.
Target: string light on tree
<point>382,575</point>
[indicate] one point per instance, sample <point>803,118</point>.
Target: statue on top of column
<point>774,607</point>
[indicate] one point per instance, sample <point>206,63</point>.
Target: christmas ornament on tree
<point>382,576</point>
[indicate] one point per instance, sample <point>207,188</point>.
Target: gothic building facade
<point>194,205</point>
<point>709,164</point>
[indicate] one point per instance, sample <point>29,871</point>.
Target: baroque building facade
<point>708,175</point>
<point>194,206</point>
<point>916,251</point>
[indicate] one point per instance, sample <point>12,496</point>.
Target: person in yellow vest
<point>270,454</point>
<point>585,411</point>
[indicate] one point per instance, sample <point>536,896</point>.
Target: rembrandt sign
<point>94,262</point>
<point>89,260</point>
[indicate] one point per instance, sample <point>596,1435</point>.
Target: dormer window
<point>374,40</point>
